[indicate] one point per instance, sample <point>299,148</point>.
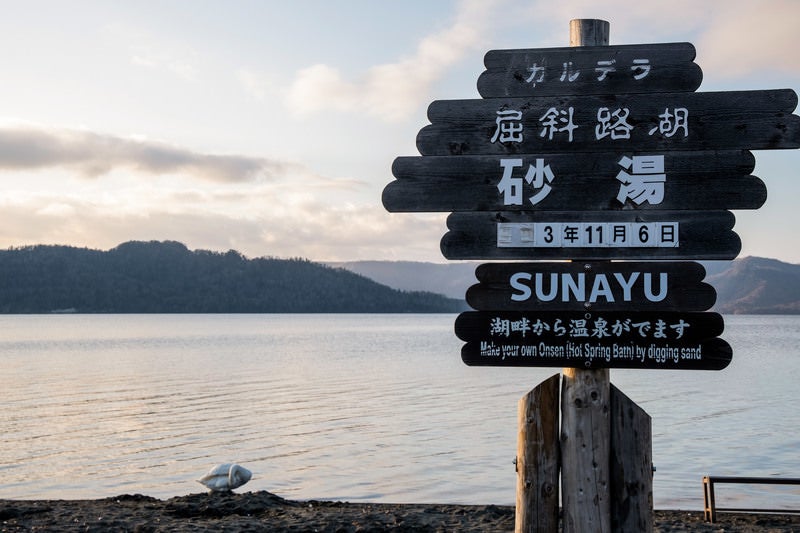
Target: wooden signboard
<point>750,120</point>
<point>657,340</point>
<point>580,286</point>
<point>591,235</point>
<point>641,68</point>
<point>576,181</point>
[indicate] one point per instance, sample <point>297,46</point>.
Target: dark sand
<point>263,511</point>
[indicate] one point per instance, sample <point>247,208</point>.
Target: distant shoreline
<point>254,511</point>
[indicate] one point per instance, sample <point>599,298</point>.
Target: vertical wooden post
<point>585,402</point>
<point>585,451</point>
<point>631,465</point>
<point>537,459</point>
<point>588,32</point>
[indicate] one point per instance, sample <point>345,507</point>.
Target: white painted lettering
<point>648,287</point>
<point>546,350</point>
<point>570,285</point>
<point>692,353</point>
<point>600,287</point>
<point>516,284</point>
<point>528,351</point>
<point>626,284</point>
<point>624,352</point>
<point>610,287</point>
<point>540,287</point>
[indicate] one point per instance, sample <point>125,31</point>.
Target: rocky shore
<point>263,511</point>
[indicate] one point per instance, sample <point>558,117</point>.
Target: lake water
<point>352,407</point>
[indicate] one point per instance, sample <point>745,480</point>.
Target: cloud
<point>743,37</point>
<point>92,155</point>
<point>733,37</point>
<point>393,91</point>
<point>155,53</point>
<point>255,84</point>
<point>303,227</point>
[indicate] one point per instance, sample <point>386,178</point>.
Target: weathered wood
<point>631,466</point>
<point>711,104</point>
<point>589,32</point>
<point>716,354</point>
<point>580,181</point>
<point>586,57</point>
<point>537,459</point>
<point>585,449</point>
<point>701,235</point>
<point>666,341</point>
<point>584,402</point>
<point>598,328</point>
<point>459,170</point>
<point>644,286</point>
<point>750,120</point>
<point>639,68</point>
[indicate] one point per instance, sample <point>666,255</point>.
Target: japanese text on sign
<point>638,69</point>
<point>587,234</point>
<point>610,123</point>
<point>624,329</point>
<point>642,180</point>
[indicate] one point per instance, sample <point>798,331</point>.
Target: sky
<point>270,127</point>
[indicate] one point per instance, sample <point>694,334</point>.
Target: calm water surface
<point>351,407</point>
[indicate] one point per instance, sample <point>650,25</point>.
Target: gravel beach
<point>264,511</point>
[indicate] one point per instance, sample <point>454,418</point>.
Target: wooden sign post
<point>586,403</point>
<point>591,153</point>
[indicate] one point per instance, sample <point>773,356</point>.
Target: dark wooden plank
<point>715,354</point>
<point>713,103</point>
<point>537,458</point>
<point>507,338</point>
<point>579,181</point>
<point>760,120</point>
<point>600,328</point>
<point>665,67</point>
<point>631,465</point>
<point>612,286</point>
<point>672,53</point>
<point>585,450</point>
<point>701,235</point>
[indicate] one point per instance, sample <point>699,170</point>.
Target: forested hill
<point>166,277</point>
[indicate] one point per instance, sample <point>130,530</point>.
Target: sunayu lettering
<point>590,288</point>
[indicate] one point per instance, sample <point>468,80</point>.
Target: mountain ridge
<point>748,285</point>
<point>166,277</point>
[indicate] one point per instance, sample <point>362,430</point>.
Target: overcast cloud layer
<point>92,155</point>
<point>273,132</point>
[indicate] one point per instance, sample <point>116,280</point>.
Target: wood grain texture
<point>716,355</point>
<point>631,465</point>
<point>748,120</point>
<point>595,69</point>
<point>684,291</point>
<point>582,181</point>
<point>585,448</point>
<point>703,235</point>
<point>601,328</point>
<point>538,458</point>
